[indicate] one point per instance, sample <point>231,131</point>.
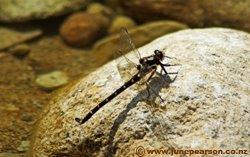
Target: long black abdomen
<point>133,80</point>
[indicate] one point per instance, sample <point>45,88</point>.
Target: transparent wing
<point>127,64</point>
<point>129,45</point>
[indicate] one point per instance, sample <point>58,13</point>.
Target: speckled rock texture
<point>205,107</point>
<point>196,13</point>
<point>24,10</point>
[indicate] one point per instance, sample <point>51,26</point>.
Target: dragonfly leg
<point>148,91</point>
<point>151,75</point>
<point>168,65</point>
<point>163,68</point>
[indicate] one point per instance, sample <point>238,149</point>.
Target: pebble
<point>97,8</point>
<point>52,80</point>
<point>120,22</point>
<point>27,117</point>
<point>24,146</point>
<point>82,29</point>
<point>20,50</point>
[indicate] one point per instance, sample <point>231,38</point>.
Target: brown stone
<point>82,29</point>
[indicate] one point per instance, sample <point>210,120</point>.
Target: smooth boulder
<point>206,104</point>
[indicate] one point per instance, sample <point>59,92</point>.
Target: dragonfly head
<point>138,67</point>
<point>159,54</point>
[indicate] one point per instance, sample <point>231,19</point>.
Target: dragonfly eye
<point>158,53</point>
<point>138,67</point>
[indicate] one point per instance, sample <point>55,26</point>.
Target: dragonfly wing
<point>130,46</point>
<point>126,64</point>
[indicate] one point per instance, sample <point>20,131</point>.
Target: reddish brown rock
<point>82,29</point>
<point>196,13</point>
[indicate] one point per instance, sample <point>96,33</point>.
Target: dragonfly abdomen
<point>126,85</point>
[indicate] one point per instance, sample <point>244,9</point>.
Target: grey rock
<point>206,106</point>
<point>52,80</point>
<point>13,35</point>
<point>20,11</point>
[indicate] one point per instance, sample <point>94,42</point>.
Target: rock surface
<point>13,35</point>
<point>20,11</point>
<point>196,13</point>
<point>106,48</point>
<point>82,29</point>
<point>206,106</point>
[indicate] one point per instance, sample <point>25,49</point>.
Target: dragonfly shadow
<point>156,84</point>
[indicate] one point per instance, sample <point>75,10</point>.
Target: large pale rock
<point>206,106</point>
<point>196,13</point>
<point>19,11</point>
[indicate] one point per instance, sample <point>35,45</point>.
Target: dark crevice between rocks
<point>156,84</point>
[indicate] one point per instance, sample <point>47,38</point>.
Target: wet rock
<point>106,48</point>
<point>196,13</point>
<point>20,11</point>
<point>20,50</point>
<point>14,35</point>
<point>74,62</point>
<point>120,22</point>
<point>212,75</point>
<point>18,95</point>
<point>9,108</point>
<point>82,29</point>
<point>11,155</point>
<point>27,117</point>
<point>97,8</point>
<point>52,80</point>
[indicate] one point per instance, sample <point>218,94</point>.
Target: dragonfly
<point>146,66</point>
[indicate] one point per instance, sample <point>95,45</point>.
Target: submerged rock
<point>14,35</point>
<point>24,146</point>
<point>82,29</point>
<point>206,105</point>
<point>120,22</point>
<point>196,13</point>
<point>97,8</point>
<point>20,11</point>
<point>52,80</point>
<point>106,48</point>
<point>20,50</point>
